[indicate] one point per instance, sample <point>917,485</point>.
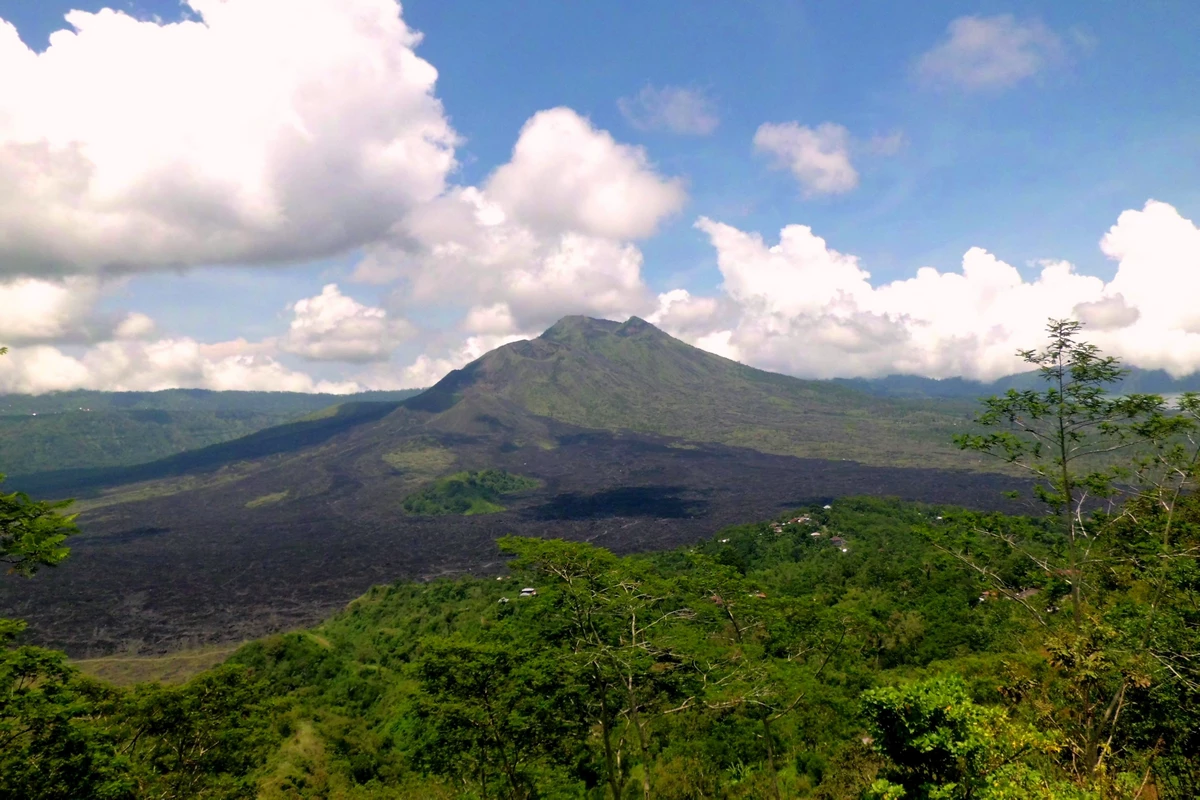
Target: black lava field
<point>182,570</point>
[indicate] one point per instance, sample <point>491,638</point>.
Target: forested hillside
<point>289,403</point>
<point>87,429</point>
<point>916,387</point>
<point>817,655</point>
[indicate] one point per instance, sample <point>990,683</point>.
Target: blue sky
<point>1037,165</point>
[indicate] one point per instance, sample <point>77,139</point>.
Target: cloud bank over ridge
<point>801,307</point>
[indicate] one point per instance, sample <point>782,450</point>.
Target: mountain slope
<point>619,426</point>
<point>598,375</point>
<point>87,429</point>
<point>632,376</point>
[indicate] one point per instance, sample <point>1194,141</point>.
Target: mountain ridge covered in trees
<point>86,429</point>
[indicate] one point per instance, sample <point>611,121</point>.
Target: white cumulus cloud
<point>678,310</point>
<point>43,310</point>
<point>60,340</point>
<point>282,130</point>
<point>565,174</point>
<point>548,234</point>
<point>262,131</point>
<point>466,250</point>
<point>61,309</point>
<point>802,307</point>
<point>671,108</point>
<point>989,53</point>
<point>818,157</point>
<point>1108,313</point>
<point>334,327</point>
<point>494,319</point>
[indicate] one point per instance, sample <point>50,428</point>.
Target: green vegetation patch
<point>467,493</point>
<point>267,499</point>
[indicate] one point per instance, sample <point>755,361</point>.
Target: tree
<point>614,618</point>
<point>1086,449</point>
<point>497,713</point>
<point>32,532</point>
<point>940,745</point>
<point>770,653</point>
<point>576,623</point>
<point>51,744</point>
<point>1113,470</point>
<point>199,740</point>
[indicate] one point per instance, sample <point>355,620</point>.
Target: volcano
<point>635,440</point>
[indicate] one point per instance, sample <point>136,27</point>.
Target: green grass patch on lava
<point>467,493</point>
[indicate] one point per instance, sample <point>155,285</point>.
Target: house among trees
<point>803,519</point>
<point>529,591</point>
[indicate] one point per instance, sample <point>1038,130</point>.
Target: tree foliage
<point>941,745</point>
<point>32,532</point>
<point>1119,474</point>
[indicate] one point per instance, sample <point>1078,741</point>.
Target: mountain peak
<point>578,330</point>
<point>634,326</point>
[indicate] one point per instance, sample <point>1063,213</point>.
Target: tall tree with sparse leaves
<point>1113,469</point>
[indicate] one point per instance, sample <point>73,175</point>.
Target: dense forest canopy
<point>861,649</point>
